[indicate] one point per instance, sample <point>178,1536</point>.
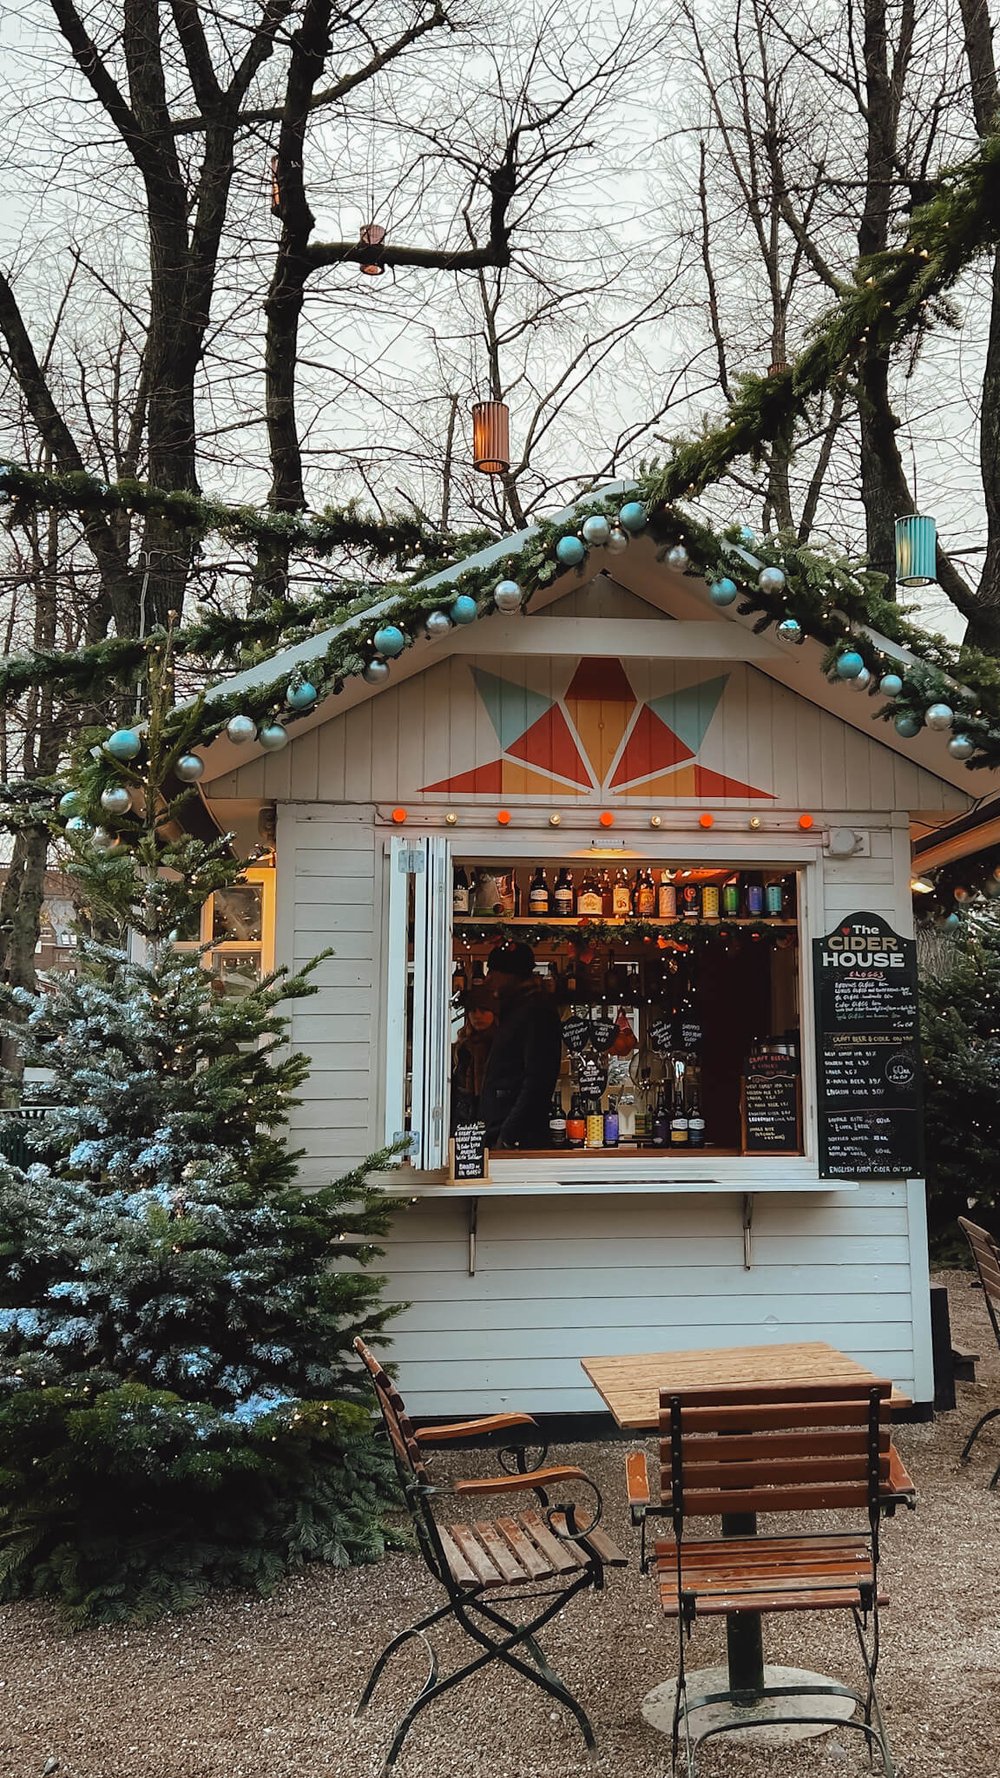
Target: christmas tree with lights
<point>960,1023</point>
<point>178,1407</point>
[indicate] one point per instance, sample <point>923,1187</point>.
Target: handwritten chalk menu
<point>469,1156</point>
<point>576,1033</point>
<point>867,1052</point>
<point>769,1104</point>
<point>661,1035</point>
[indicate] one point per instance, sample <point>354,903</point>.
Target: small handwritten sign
<point>576,1033</point>
<point>661,1035</point>
<point>590,1073</point>
<point>468,1154</point>
<point>769,1104</point>
<point>603,1030</point>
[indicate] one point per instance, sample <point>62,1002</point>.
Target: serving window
<point>674,986</point>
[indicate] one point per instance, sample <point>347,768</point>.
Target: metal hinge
<point>411,861</point>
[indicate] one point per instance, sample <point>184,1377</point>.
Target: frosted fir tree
<point>177,1406</point>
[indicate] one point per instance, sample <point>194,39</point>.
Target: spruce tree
<point>960,1019</point>
<point>178,1410</point>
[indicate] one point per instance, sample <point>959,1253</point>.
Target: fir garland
<point>581,933</point>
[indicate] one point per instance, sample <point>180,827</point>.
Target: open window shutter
<point>395,989</point>
<point>431,1004</point>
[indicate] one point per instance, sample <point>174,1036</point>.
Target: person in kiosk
<point>524,1061</point>
<point>472,1052</point>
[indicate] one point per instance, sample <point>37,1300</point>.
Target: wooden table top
<point>630,1384</point>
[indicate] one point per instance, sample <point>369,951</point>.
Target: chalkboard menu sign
<point>576,1033</point>
<point>867,1052</point>
<point>469,1155</point>
<point>769,1104</point>
<point>661,1035</point>
<point>603,1031</point>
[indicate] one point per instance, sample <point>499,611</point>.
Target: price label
<point>603,1030</point>
<point>661,1035</point>
<point>469,1152</point>
<point>576,1033</point>
<point>590,1073</point>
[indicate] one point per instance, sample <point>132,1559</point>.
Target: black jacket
<point>522,1070</point>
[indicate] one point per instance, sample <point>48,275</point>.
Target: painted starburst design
<point>598,737</point>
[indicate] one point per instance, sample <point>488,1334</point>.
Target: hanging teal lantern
<point>850,664</point>
<point>124,744</point>
<point>390,641</point>
<point>570,551</point>
<point>890,685</point>
<point>632,517</point>
<point>723,592</point>
<point>464,610</point>
<point>916,550</point>
<point>907,725</point>
<point>301,695</point>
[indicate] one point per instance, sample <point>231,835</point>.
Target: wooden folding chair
<point>534,1557</point>
<point>804,1448</point>
<point>986,1253</point>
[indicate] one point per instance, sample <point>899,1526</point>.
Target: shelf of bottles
<point>637,960</point>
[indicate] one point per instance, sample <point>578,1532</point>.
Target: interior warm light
<point>706,820</point>
<point>806,822</point>
<point>606,818</point>
<point>921,885</point>
<point>399,816</point>
<point>503,817</point>
<point>491,437</point>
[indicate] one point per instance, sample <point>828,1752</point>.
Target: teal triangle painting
<point>690,711</point>
<point>511,708</point>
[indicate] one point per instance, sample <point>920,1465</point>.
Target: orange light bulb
<point>503,817</point>
<point>399,816</point>
<point>706,820</point>
<point>806,822</point>
<point>607,819</point>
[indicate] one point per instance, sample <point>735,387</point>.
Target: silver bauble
<point>771,580</point>
<point>241,730</point>
<point>102,840</point>
<point>507,595</point>
<point>677,558</point>
<point>595,530</point>
<point>436,623</point>
<point>376,673</point>
<point>939,716</point>
<point>789,630</point>
<point>77,824</point>
<point>116,800</point>
<point>617,541</point>
<point>189,768</point>
<point>861,681</point>
<point>272,737</point>
<point>961,746</point>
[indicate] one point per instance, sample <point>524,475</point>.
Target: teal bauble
<point>77,824</point>
<point>595,530</point>
<point>771,580</point>
<point>69,803</point>
<point>507,596</point>
<point>939,717</point>
<point>962,747</point>
<point>724,591</point>
<point>633,517</point>
<point>124,744</point>
<point>850,664</point>
<point>301,695</point>
<point>272,737</point>
<point>747,534</point>
<point>570,551</point>
<point>465,610</point>
<point>907,725</point>
<point>789,630</point>
<point>890,685</point>
<point>390,641</point>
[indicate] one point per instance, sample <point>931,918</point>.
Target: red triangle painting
<point>651,747</point>
<point>481,781</point>
<point>549,744</point>
<point>708,783</point>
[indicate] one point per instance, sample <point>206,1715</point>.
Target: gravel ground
<point>252,1689</point>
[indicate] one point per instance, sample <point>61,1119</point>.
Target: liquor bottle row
<point>667,1120</point>
<point>622,895</point>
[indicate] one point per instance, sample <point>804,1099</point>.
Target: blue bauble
<point>789,630</point>
<point>907,725</point>
<point>633,517</point>
<point>849,665</point>
<point>570,551</point>
<point>949,921</point>
<point>962,747</point>
<point>507,596</point>
<point>272,737</point>
<point>124,744</point>
<point>77,824</point>
<point>301,696</point>
<point>890,685</point>
<point>464,610</point>
<point>596,530</point>
<point>390,641</point>
<point>747,534</point>
<point>939,716</point>
<point>69,803</point>
<point>771,580</point>
<point>724,591</point>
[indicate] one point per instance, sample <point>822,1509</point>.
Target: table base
<point>658,1706</point>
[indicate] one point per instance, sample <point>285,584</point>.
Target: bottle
<point>731,898</point>
<point>666,897</point>
<point>696,1125</point>
<point>479,973</point>
<point>557,1121</point>
<point>569,981</point>
<point>538,893</point>
<point>753,897</point>
<point>588,896</point>
<point>460,899</point>
<point>661,1120</point>
<point>710,901</point>
<point>679,1123</point>
<point>607,894</point>
<point>645,894</point>
<point>595,1124</point>
<point>690,901</point>
<point>459,979</point>
<point>562,895</point>
<point>576,1123</point>
<point>621,895</point>
<point>611,1125</point>
<point>626,1117</point>
<point>774,899</point>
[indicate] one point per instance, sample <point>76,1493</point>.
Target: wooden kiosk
<point>625,734</point>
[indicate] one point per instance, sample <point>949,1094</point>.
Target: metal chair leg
<point>416,1629</point>
<point>974,1434</point>
<point>552,1682</point>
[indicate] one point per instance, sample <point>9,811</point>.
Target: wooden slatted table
<point>630,1387</point>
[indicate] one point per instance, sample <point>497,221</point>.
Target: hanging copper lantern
<point>373,261</point>
<point>491,437</point>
